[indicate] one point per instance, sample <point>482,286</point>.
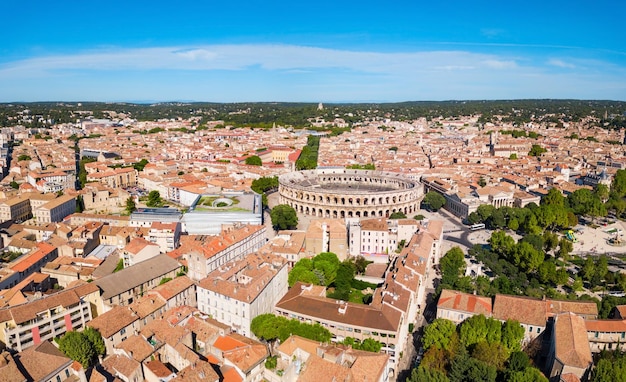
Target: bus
<point>476,227</point>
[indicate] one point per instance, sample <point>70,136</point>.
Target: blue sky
<point>329,51</point>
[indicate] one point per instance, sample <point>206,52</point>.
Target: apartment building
<point>125,286</point>
<point>35,260</point>
<point>205,254</point>
<point>165,235</point>
<point>43,362</point>
<point>240,290</point>
<point>33,322</point>
<point>383,323</point>
<point>17,209</point>
<point>55,210</point>
<point>113,178</point>
<point>327,235</point>
<point>569,349</point>
<point>458,306</point>
<point>54,180</point>
<point>311,361</point>
<point>138,250</point>
<point>375,238</point>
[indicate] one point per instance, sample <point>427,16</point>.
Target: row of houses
<point>572,327</point>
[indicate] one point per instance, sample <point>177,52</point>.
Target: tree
<point>284,217</point>
<point>565,248</point>
<point>494,354</point>
<point>254,160</point>
<point>14,185</point>
<point>452,265</point>
<point>130,205</point>
<point>529,374</point>
<point>512,335</point>
<point>553,198</point>
<point>439,334</point>
<point>479,329</point>
<point>139,166</point>
<point>518,361</point>
<point>23,157</point>
<point>433,200</point>
<point>154,199</point>
<point>78,347</point>
<point>501,243</point>
<point>94,336</point>
<point>423,374</point>
<point>536,151</point>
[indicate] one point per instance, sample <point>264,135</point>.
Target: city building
<point>242,289</point>
<point>125,286</point>
<point>55,210</point>
<point>204,254</point>
<point>50,316</point>
<point>165,235</point>
<point>569,348</point>
<point>458,306</point>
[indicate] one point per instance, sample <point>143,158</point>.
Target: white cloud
<point>561,63</point>
<point>271,71</point>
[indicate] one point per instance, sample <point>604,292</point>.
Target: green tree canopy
<point>154,199</point>
<point>130,205</point>
<point>284,217</point>
<point>271,327</point>
<point>452,266</point>
<point>254,160</point>
<point>439,334</point>
<point>433,200</point>
<point>423,374</point>
<point>78,347</point>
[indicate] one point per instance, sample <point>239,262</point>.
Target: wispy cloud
<point>239,57</point>
<point>278,72</point>
<point>561,63</point>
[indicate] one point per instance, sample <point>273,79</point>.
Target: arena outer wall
<point>349,193</point>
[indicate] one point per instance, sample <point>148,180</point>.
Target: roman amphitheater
<point>342,193</point>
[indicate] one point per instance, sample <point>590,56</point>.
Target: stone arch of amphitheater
<point>342,193</point>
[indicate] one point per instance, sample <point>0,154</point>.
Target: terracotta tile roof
<point>588,309</point>
<point>526,310</point>
<point>165,332</point>
<point>230,374</point>
<point>43,250</point>
<point>296,342</point>
<point>123,365</point>
<point>245,357</point>
<point>129,278</point>
<point>465,302</point>
<point>137,347</point>
<point>317,369</point>
<point>159,369</point>
<point>199,372</point>
<point>41,360</point>
<point>606,326</point>
<point>374,225</point>
<point>9,371</point>
<point>572,347</point>
<point>173,287</point>
<point>28,311</point>
<point>147,305</point>
<point>113,321</point>
<point>258,268</point>
<point>328,309</point>
<point>137,244</point>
